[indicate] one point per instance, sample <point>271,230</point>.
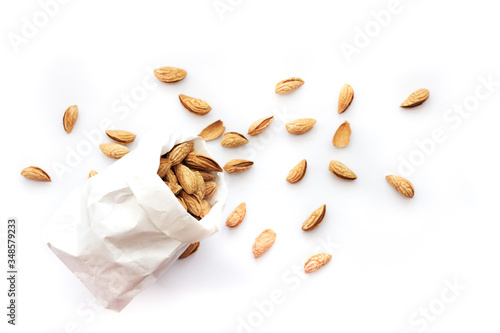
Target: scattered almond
<point>233,139</point>
<point>237,166</point>
<point>69,118</point>
<point>263,242</point>
<point>402,185</point>
<point>194,105</point>
<point>287,86</point>
<point>210,188</point>
<point>416,98</point>
<point>186,178</point>
<point>345,98</point>
<point>190,250</point>
<point>35,173</point>
<point>259,126</point>
<point>202,162</point>
<point>297,173</point>
<point>170,74</point>
<point>213,131</point>
<point>123,137</point>
<point>315,219</point>
<point>341,137</point>
<point>180,151</point>
<point>236,217</point>
<point>114,150</point>
<point>300,126</point>
<point>316,262</point>
<point>341,171</point>
<point>92,173</point>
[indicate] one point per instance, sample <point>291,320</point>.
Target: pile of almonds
<point>190,175</point>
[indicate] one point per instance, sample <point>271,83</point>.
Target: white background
<point>391,255</point>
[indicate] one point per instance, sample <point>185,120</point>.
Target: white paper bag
<point>123,228</point>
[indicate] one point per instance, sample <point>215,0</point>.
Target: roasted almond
<point>190,250</point>
<point>170,74</point>
<point>201,162</point>
<point>114,150</point>
<point>402,185</point>
<point>341,171</point>
<point>69,118</point>
<point>237,166</point>
<point>35,173</point>
<point>210,188</point>
<point>236,217</point>
<point>194,105</point>
<point>186,178</point>
<point>341,137</point>
<point>287,86</point>
<point>180,151</point>
<point>416,98</point>
<point>297,173</point>
<point>345,98</point>
<point>207,175</point>
<point>92,173</point>
<point>263,242</point>
<point>205,208</point>
<point>316,262</point>
<point>123,137</point>
<point>300,126</point>
<point>163,168</point>
<point>233,139</point>
<point>259,126</point>
<point>192,202</point>
<point>175,188</point>
<point>314,219</point>
<point>213,131</point>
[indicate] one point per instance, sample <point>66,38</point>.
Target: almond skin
<point>205,208</point>
<point>341,171</point>
<point>186,178</point>
<point>236,217</point>
<point>263,242</point>
<point>163,168</point>
<point>201,162</point>
<point>416,98</point>
<point>345,98</point>
<point>179,152</point>
<point>175,188</point>
<point>300,126</point>
<point>237,166</point>
<point>170,74</point>
<point>213,131</point>
<point>233,140</point>
<point>316,262</point>
<point>114,150</point>
<point>342,135</point>
<point>92,173</point>
<point>123,137</point>
<point>297,173</point>
<point>194,105</point>
<point>402,185</point>
<point>69,118</point>
<point>210,188</point>
<point>183,204</point>
<point>35,173</point>
<point>259,126</point>
<point>190,250</point>
<point>192,202</point>
<point>287,86</point>
<point>315,219</point>
<point>207,176</point>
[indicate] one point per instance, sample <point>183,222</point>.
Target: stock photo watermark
<point>222,7</point>
<point>453,118</point>
<point>34,23</point>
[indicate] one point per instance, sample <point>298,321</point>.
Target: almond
<point>114,150</point>
<point>341,171</point>
<point>163,168</point>
<point>316,262</point>
<point>92,173</point>
<point>183,204</point>
<point>341,137</point>
<point>345,98</point>
<point>205,208</point>
<point>210,188</point>
<point>194,105</point>
<point>259,126</point>
<point>207,175</point>
<point>263,242</point>
<point>236,217</point>
<point>233,139</point>
<point>200,186</point>
<point>300,126</point>
<point>123,137</point>
<point>402,185</point>
<point>190,250</point>
<point>175,188</point>
<point>201,162</point>
<point>35,173</point>
<point>171,177</point>
<point>192,202</point>
<point>186,178</point>
<point>287,86</point>
<point>179,152</point>
<point>170,74</point>
<point>315,219</point>
<point>416,98</point>
<point>237,166</point>
<point>69,118</point>
<point>213,131</point>
<point>297,173</point>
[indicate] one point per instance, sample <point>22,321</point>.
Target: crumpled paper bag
<point>123,228</point>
